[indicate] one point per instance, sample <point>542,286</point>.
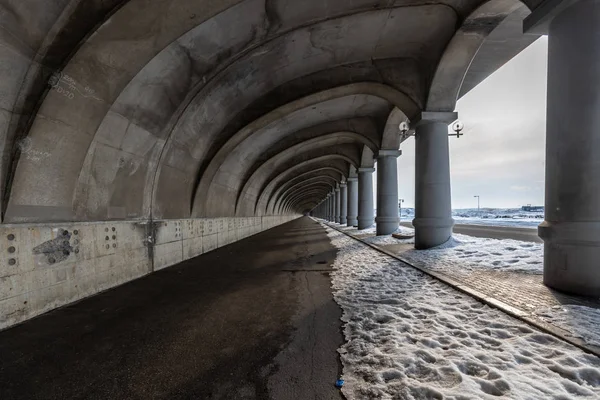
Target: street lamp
<point>477,203</point>
<point>400,201</point>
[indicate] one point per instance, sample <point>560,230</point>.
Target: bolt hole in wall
<point>70,262</point>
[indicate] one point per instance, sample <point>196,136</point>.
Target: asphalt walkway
<point>252,320</point>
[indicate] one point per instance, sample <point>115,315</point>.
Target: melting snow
<point>409,336</point>
<point>467,253</point>
<point>470,253</point>
<point>581,321</point>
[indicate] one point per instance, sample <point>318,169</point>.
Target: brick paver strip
<point>517,294</point>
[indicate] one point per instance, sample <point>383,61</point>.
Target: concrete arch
<point>321,190</point>
<point>273,197</point>
<point>367,158</point>
<point>257,179</point>
<point>299,192</point>
<point>135,141</point>
<point>336,174</point>
<point>317,161</point>
<point>268,124</point>
<point>348,149</point>
<point>461,51</point>
<point>303,185</point>
<point>390,139</point>
<point>313,198</point>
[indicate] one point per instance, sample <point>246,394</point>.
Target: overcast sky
<point>501,156</point>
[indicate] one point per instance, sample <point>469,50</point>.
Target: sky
<point>501,156</point>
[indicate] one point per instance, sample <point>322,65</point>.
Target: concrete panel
<point>47,266</point>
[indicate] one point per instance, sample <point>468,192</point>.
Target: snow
<point>510,217</point>
<point>465,253</point>
<point>469,253</point>
<point>409,336</point>
<point>376,240</point>
<point>581,321</point>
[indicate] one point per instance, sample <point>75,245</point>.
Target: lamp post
<point>400,201</point>
<point>477,202</point>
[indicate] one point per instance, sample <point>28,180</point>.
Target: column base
<point>352,221</point>
<point>572,256</point>
<point>364,223</point>
<point>387,225</point>
<point>432,232</point>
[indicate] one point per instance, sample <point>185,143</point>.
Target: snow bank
<point>411,337</point>
<point>468,253</point>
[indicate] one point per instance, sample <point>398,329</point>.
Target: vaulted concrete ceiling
<point>178,108</point>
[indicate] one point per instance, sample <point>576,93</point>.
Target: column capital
<point>538,22</point>
<point>343,184</point>
<point>434,116</point>
<point>366,170</point>
<point>352,179</point>
<point>389,153</point>
<point>337,189</point>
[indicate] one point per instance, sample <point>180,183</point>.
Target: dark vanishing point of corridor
<point>252,320</point>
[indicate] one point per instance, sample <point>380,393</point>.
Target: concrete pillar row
<point>352,217</point>
<point>329,207</point>
<point>433,204</point>
<point>571,227</point>
<point>338,204</point>
<point>365,198</point>
<point>343,203</point>
<point>332,206</point>
<point>387,219</point>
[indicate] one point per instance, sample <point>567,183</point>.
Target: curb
<point>490,301</point>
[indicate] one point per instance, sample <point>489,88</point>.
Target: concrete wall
<point>45,266</point>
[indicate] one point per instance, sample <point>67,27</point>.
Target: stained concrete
<point>108,112</point>
<point>252,320</point>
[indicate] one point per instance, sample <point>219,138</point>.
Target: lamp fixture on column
<point>400,201</point>
<point>457,127</point>
<point>404,128</point>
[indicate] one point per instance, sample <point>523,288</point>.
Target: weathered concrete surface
<point>46,266</point>
<point>108,112</point>
<point>253,320</point>
<point>571,227</point>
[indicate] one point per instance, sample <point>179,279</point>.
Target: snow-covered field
<point>489,216</point>
<point>409,336</point>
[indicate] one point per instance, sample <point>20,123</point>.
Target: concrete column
<point>330,207</point>
<point>571,230</point>
<point>343,203</point>
<point>433,209</point>
<point>365,198</point>
<point>352,219</point>
<point>387,192</point>
<point>338,204</point>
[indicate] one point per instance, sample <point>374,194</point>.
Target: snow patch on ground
<point>409,336</point>
<point>377,240</point>
<point>581,321</point>
<point>468,253</point>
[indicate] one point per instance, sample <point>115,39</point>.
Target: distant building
<point>529,207</point>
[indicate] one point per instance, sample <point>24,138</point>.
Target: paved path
<point>495,232</point>
<point>253,320</point>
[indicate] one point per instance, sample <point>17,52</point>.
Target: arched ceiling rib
<point>153,104</point>
<point>336,160</point>
<point>297,191</point>
<point>301,178</point>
